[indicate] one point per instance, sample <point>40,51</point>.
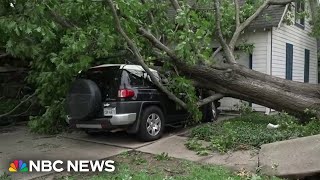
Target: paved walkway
<point>175,147</point>
<point>292,158</point>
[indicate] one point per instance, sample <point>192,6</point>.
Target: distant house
<point>280,49</point>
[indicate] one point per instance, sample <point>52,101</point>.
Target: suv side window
<point>135,79</point>
<point>129,79</point>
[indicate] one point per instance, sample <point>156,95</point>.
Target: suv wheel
<point>210,113</point>
<point>214,112</point>
<point>151,124</point>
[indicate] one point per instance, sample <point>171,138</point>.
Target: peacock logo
<point>18,166</point>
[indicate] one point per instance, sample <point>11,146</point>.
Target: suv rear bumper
<point>104,123</point>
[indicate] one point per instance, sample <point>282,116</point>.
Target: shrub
<point>250,131</point>
<point>51,122</point>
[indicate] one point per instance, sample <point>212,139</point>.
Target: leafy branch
<point>18,106</point>
<point>140,59</point>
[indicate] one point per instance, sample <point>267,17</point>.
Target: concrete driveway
<point>17,143</point>
<point>118,139</point>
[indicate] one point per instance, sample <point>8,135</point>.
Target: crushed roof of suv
<point>124,66</point>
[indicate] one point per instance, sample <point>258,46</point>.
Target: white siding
<point>261,41</point>
<point>300,40</point>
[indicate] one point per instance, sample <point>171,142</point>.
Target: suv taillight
<point>125,93</point>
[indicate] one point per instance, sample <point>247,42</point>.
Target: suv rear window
<point>107,79</point>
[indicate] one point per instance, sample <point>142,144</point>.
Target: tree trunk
<point>237,81</point>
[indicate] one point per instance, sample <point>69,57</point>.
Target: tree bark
<point>240,82</point>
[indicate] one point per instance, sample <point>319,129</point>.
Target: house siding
<point>301,41</point>
<point>260,55</point>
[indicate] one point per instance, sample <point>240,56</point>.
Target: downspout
<point>268,110</point>
<point>271,52</point>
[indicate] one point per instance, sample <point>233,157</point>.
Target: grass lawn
<point>141,166</point>
<point>248,131</point>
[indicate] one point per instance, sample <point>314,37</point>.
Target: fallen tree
<point>61,38</point>
<point>237,81</point>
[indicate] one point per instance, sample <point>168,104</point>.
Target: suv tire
<point>210,113</point>
<point>151,124</point>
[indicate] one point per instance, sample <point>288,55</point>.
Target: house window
<point>306,65</point>
<point>300,7</point>
<point>289,61</point>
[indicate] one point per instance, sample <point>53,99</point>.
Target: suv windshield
<point>107,79</point>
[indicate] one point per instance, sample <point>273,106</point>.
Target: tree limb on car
<point>140,59</point>
<point>146,68</point>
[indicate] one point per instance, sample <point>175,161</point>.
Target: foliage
<point>244,108</point>
<point>7,105</point>
<point>162,157</point>
<point>5,176</point>
<point>138,160</point>
<point>316,28</point>
<point>250,131</point>
<point>196,145</point>
<point>179,85</point>
<point>51,122</point>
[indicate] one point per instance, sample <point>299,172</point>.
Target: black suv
<point>117,96</point>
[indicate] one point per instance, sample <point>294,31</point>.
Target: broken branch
<point>19,105</point>
<point>215,53</point>
<point>247,22</point>
<point>60,20</point>
<point>210,99</point>
<point>237,8</point>
<point>229,55</point>
<point>175,4</point>
<point>140,59</point>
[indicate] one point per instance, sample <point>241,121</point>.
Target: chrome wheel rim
<point>153,124</point>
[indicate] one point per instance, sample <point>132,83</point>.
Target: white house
<point>281,48</point>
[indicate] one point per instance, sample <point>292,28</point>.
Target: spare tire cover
<point>83,100</point>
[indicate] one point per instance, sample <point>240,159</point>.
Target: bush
<point>51,122</point>
<point>251,131</point>
<point>7,105</point>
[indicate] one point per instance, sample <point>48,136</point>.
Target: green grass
<point>168,168</point>
<point>196,172</point>
<point>249,131</point>
<point>5,176</point>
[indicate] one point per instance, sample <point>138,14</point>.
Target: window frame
<point>289,61</point>
<point>306,65</point>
